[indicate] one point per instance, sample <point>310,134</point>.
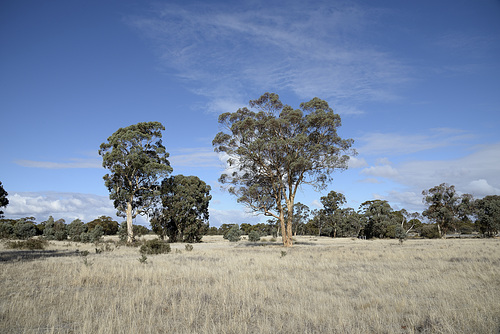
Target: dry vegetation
<point>321,285</point>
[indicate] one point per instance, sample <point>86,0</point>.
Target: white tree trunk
<point>130,230</point>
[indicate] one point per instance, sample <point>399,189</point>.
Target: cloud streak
<point>397,144</point>
<point>227,53</point>
<point>73,163</point>
<point>68,206</point>
<point>477,173</point>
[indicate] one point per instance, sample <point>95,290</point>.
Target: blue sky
<point>417,85</point>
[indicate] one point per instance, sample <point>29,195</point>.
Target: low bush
<point>30,244</point>
<point>155,246</point>
<point>234,234</point>
<point>254,236</point>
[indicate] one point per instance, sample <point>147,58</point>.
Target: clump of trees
<point>139,185</point>
<point>51,229</point>
<point>183,215</point>
<point>4,201</point>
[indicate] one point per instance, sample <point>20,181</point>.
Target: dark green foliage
<point>224,228</point>
<point>109,226</point>
<point>446,208</point>
<point>488,212</point>
<point>93,236</point>
<point>137,160</point>
<point>6,228</point>
<point>75,230</point>
<point>143,259</point>
<point>273,149</point>
<point>155,246</point>
<point>254,236</point>
<point>212,230</point>
<point>140,230</point>
<point>379,217</point>
<point>189,247</point>
<point>55,230</point>
<point>400,234</point>
<point>300,217</point>
<point>429,231</point>
<point>184,213</point>
<point>234,234</point>
<point>24,229</point>
<point>4,201</point>
<point>30,244</point>
<point>334,221</point>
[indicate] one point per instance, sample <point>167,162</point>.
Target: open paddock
<point>320,285</point>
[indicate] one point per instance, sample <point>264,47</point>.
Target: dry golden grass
<point>321,285</point>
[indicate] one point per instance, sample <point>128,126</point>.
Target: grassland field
<point>320,285</point>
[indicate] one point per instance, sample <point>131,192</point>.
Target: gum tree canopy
<point>183,215</point>
<point>4,201</point>
<point>272,149</point>
<point>137,160</point>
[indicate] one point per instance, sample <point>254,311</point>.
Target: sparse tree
<point>488,209</point>
<point>234,234</point>
<point>109,226</point>
<point>378,214</point>
<point>55,230</point>
<point>25,228</point>
<point>446,208</point>
<point>331,203</point>
<point>184,213</point>
<point>75,230</point>
<point>4,201</point>
<point>273,149</point>
<point>137,160</point>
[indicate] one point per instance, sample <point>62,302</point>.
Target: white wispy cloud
<point>229,52</point>
<point>68,206</point>
<point>72,163</point>
<point>203,157</point>
<point>477,173</point>
<point>397,143</point>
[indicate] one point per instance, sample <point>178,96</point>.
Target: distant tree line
<point>446,212</point>
<point>139,184</point>
<point>51,229</point>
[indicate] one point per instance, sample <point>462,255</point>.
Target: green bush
<point>55,230</point>
<point>254,236</point>
<point>234,234</point>
<point>155,246</point>
<point>24,230</point>
<point>75,230</point>
<point>189,247</point>
<point>94,235</point>
<point>429,231</point>
<point>6,230</point>
<point>30,244</point>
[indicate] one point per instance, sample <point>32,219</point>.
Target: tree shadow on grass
<point>268,243</point>
<point>31,255</point>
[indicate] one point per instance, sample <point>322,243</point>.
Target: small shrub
<point>283,253</point>
<point>189,247</point>
<point>253,236</point>
<point>429,231</point>
<point>30,244</point>
<point>94,235</point>
<point>155,246</point>
<point>400,234</point>
<point>24,230</point>
<point>234,234</point>
<point>143,259</point>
